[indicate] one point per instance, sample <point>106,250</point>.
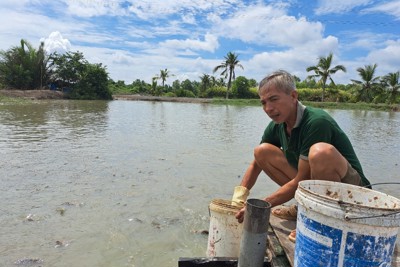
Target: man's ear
<point>294,94</point>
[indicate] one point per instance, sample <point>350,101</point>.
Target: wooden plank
<point>275,251</point>
<point>282,230</point>
<point>280,262</point>
<point>213,262</point>
<point>274,246</point>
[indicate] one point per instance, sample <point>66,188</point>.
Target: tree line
<point>24,67</point>
<point>319,86</point>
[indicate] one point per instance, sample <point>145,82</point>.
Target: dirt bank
<point>33,94</point>
<point>162,98</point>
<point>49,94</point>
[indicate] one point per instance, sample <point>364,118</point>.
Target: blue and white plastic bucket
<point>344,225</point>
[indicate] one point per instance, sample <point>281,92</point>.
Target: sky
<point>135,39</point>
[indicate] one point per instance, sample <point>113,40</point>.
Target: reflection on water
<point>125,183</point>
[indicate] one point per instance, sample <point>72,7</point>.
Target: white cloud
<point>13,3</point>
<point>366,40</point>
<point>141,45</point>
<point>269,25</point>
<point>339,6</point>
<point>56,43</point>
<point>391,8</point>
<point>123,65</point>
<point>188,18</point>
<point>388,56</point>
<point>123,58</point>
<point>295,60</point>
<point>146,10</point>
<point>33,26</point>
<point>210,43</point>
<point>135,31</point>
<point>90,8</point>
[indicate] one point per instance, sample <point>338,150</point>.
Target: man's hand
<point>240,215</point>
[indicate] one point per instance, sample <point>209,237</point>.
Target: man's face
<point>279,106</point>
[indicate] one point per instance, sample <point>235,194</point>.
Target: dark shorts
<point>352,176</point>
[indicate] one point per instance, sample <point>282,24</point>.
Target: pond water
<point>127,183</point>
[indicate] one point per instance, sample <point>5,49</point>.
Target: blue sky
<point>135,39</point>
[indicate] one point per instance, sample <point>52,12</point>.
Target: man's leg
<point>326,163</point>
<point>273,162</point>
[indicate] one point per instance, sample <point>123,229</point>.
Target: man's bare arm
<point>251,175</point>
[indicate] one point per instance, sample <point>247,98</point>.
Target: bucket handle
<point>348,218</point>
<point>398,183</point>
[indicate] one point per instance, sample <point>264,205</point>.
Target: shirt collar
<point>300,112</point>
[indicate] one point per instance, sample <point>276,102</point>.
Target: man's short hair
<point>280,79</point>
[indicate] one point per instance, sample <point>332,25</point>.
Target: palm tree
<point>228,66</point>
<point>324,71</point>
<point>205,83</point>
<point>368,83</point>
<point>24,67</point>
<point>217,82</point>
<point>392,82</point>
<point>164,74</point>
<point>42,65</point>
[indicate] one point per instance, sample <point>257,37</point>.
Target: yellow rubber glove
<point>240,195</point>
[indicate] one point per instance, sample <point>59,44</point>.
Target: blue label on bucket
<point>368,251</point>
<point>316,244</point>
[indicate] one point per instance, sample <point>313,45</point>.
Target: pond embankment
<point>50,94</point>
<point>162,98</point>
<point>33,94</point>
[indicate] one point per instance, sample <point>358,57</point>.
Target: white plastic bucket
<point>225,232</point>
<point>344,225</point>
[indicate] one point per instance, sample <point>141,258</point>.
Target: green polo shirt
<point>312,126</point>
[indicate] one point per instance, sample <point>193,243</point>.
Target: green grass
<point>236,102</point>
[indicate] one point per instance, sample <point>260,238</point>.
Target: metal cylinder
<point>253,243</point>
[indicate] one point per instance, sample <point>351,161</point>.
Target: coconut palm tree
<point>228,66</point>
<point>324,71</point>
<point>43,66</point>
<point>154,86</point>
<point>392,82</point>
<point>205,83</point>
<point>368,82</point>
<point>164,74</point>
<point>24,67</point>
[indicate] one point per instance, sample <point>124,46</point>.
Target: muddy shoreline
<point>162,98</point>
<point>33,94</point>
<point>49,94</point>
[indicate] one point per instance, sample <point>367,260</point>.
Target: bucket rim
<point>302,187</point>
<point>223,205</point>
